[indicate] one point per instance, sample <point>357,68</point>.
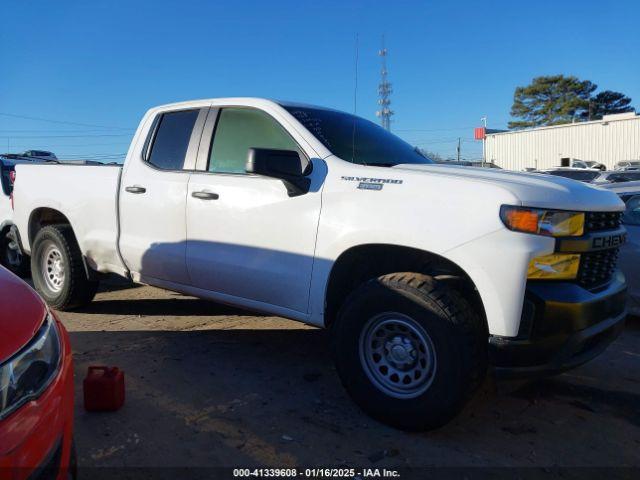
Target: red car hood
<point>21,314</point>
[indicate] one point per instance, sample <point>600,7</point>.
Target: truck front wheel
<point>409,349</point>
<point>57,269</point>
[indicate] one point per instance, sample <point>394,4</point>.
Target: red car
<point>36,387</point>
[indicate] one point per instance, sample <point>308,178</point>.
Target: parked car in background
<point>36,387</point>
<point>593,176</point>
<point>580,174</point>
<point>468,163</point>
<point>630,251</point>
<point>617,176</point>
<point>596,165</point>
<point>578,164</point>
<point>39,154</point>
<point>627,165</point>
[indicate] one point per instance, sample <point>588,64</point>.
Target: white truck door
<point>153,193</point>
<point>246,237</point>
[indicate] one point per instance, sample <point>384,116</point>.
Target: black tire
<point>451,358</point>
<point>74,289</point>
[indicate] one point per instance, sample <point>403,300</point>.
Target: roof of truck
<point>257,101</point>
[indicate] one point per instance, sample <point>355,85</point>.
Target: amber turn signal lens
<point>551,223</point>
<point>522,220</point>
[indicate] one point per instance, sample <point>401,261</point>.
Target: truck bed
<point>86,195</point>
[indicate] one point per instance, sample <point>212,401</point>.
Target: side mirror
<point>287,165</point>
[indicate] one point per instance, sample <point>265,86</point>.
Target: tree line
<point>558,99</point>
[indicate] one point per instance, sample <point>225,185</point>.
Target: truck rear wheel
<point>410,350</point>
<point>57,269</point>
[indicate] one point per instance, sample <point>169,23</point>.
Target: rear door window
<point>171,139</point>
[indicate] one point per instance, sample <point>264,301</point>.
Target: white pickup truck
<point>424,273</point>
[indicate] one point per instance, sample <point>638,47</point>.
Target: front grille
<point>597,268</point>
<point>598,221</point>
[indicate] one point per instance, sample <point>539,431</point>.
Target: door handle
<point>135,189</point>
<point>204,195</point>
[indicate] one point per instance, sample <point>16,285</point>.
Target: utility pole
<point>384,92</point>
<point>484,139</point>
<point>458,149</point>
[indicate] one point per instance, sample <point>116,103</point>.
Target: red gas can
<point>103,389</point>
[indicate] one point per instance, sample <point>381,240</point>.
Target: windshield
<point>355,139</point>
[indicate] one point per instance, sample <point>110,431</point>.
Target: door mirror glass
<point>287,165</point>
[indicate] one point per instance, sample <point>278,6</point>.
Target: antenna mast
<point>384,92</point>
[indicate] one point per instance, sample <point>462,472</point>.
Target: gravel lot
<point>209,385</point>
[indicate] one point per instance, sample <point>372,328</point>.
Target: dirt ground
<point>209,385</point>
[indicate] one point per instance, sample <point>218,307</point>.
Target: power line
<point>63,122</point>
<point>51,131</point>
<point>69,136</point>
<point>94,155</point>
<point>439,140</point>
<point>65,145</point>
<point>432,130</point>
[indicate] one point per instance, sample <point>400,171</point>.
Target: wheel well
<point>5,229</point>
<point>41,217</point>
<point>359,264</point>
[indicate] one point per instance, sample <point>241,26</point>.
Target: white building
<point>613,139</point>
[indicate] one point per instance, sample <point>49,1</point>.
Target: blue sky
<point>451,62</point>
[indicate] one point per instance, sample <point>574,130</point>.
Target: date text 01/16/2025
<point>315,473</point>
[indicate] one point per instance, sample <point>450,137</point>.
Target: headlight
<point>25,375</point>
<point>552,223</point>
<point>554,267</point>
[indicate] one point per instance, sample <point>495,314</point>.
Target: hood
<point>533,189</point>
<point>22,312</point>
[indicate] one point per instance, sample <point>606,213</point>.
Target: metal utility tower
<point>384,92</point>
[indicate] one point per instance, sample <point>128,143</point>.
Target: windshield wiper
<point>382,164</point>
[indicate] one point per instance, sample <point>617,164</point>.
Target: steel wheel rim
<point>397,355</point>
<point>52,267</point>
